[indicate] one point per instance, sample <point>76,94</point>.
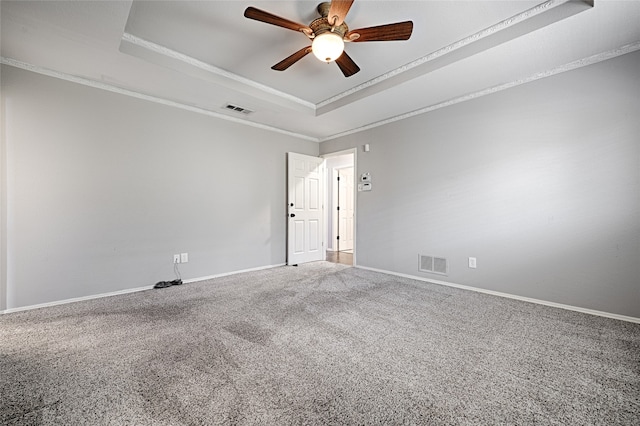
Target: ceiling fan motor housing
<point>323,8</point>
<point>321,25</point>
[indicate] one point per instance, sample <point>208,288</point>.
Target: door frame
<point>328,214</point>
<point>335,195</point>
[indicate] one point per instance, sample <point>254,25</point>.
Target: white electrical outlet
<point>176,258</point>
<point>472,262</point>
<point>184,257</point>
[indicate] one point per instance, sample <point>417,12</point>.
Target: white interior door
<point>345,212</point>
<point>305,187</point>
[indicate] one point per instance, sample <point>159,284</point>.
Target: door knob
<point>293,215</point>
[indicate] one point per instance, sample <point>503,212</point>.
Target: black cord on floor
<point>177,281</point>
<point>176,270</point>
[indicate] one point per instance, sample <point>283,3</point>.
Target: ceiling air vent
<point>236,108</point>
<point>433,264</point>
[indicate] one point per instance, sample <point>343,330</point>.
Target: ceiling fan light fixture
<point>329,32</point>
<point>327,46</point>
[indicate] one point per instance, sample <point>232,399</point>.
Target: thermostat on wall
<point>366,186</point>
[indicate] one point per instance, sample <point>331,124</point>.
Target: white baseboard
<point>75,299</point>
<point>413,277</point>
<point>509,296</point>
<point>224,274</point>
<point>129,290</point>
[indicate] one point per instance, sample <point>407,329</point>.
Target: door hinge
<point>338,178</point>
<point>338,237</point>
<point>338,208</point>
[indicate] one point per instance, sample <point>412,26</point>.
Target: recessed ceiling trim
<point>594,59</point>
<point>138,95</point>
<point>508,29</point>
<point>529,20</point>
<point>600,57</point>
<point>238,82</point>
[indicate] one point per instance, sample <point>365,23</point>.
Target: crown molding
<point>525,22</point>
<point>594,59</point>
<point>138,95</point>
<point>139,47</point>
<point>445,50</point>
<point>529,20</point>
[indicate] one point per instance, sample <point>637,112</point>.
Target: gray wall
<point>540,182</point>
<point>102,189</point>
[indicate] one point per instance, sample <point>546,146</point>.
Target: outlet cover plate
<point>472,262</point>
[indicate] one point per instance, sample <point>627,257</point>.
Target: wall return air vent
<point>433,264</point>
<point>236,108</point>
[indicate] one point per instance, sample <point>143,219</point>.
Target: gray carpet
<point>317,344</point>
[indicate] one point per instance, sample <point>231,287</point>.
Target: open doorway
<point>341,211</point>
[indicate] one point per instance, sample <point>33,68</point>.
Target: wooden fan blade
<point>346,65</point>
<point>287,62</point>
<point>388,32</point>
<point>269,18</point>
<point>338,11</point>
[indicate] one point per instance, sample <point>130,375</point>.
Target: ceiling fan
<point>329,33</point>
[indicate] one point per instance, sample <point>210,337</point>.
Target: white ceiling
<point>202,55</point>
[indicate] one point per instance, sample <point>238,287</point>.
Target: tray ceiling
<point>203,55</point>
